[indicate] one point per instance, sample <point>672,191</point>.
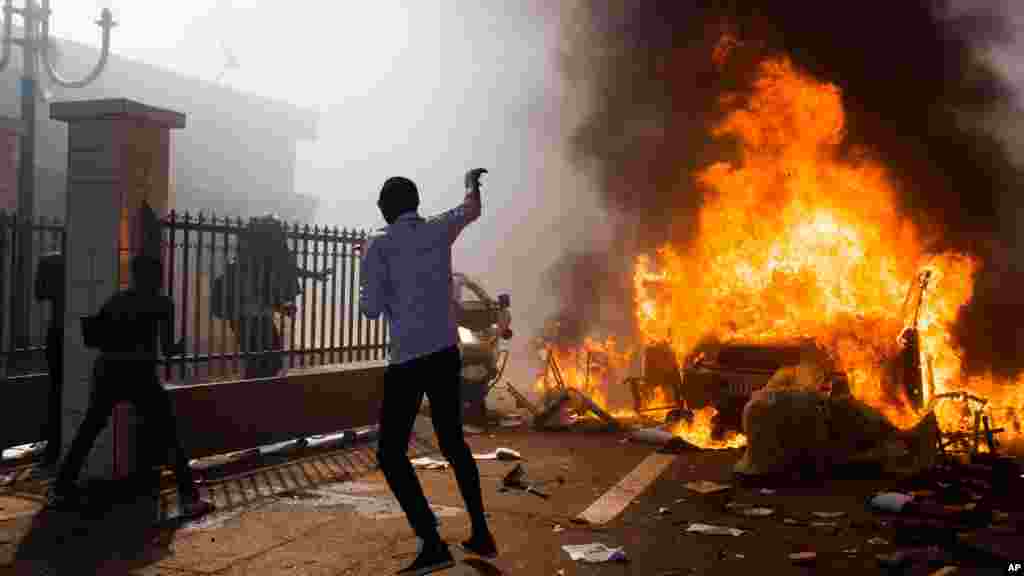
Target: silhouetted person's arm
<point>374,283</point>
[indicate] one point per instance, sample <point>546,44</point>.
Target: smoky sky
<point>917,91</point>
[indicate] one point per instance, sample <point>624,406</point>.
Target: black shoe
<point>431,558</point>
<point>482,545</point>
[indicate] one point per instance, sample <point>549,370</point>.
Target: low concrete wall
<point>228,416</point>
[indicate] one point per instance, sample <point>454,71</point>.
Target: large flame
<point>797,240</point>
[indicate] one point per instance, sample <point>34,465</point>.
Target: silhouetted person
<point>50,288</point>
<point>406,273</point>
<point>269,283</point>
<point>127,330</point>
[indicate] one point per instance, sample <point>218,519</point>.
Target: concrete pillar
<point>118,158</point>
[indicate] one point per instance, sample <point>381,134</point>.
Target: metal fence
<point>243,340</point>
<point>24,353</point>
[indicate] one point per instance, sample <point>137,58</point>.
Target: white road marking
<point>615,500</point>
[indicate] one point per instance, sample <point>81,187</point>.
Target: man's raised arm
<point>457,219</point>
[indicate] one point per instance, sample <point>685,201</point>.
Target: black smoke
<point>916,88</point>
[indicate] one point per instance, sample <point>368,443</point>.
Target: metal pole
<point>26,179</point>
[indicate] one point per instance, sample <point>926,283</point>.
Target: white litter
<point>499,454</point>
<point>595,553</point>
<point>428,463</point>
<point>713,530</point>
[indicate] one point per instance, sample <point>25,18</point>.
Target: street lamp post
<point>35,45</point>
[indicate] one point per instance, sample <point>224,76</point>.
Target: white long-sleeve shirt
<point>406,274</point>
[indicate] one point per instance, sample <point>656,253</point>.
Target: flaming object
<point>800,240</point>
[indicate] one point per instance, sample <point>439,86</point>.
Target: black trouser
<point>54,413</point>
<point>259,334</point>
<point>135,382</point>
<point>438,376</point>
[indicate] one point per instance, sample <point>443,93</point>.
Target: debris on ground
<point>657,436</point>
<point>876,541</point>
<point>766,491</point>
<point>503,454</point>
<point>786,427</point>
<point>713,530</point>
<point>596,553</point>
<point>890,501</point>
<point>829,515</point>
<point>516,479</point>
<point>663,510</point>
<point>428,463</point>
<point>803,557</point>
<point>707,487</point>
<point>749,510</point>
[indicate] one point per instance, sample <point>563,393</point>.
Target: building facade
<point>236,156</point>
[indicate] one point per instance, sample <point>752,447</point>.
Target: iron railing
<point>24,353</point>
<point>325,328</point>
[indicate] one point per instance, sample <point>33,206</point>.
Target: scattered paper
<point>499,454</point>
<point>595,553</point>
<point>740,556</point>
<point>876,541</point>
<point>758,512</point>
<point>428,463</point>
<point>890,501</point>
<point>829,515</point>
<point>713,530</point>
<point>706,487</point>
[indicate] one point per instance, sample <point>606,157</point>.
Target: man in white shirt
<point>406,274</point>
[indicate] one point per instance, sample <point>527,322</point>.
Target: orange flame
<point>796,241</point>
<point>589,369</point>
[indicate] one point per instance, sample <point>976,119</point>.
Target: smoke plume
<point>917,90</point>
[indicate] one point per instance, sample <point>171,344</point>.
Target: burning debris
<point>784,190</point>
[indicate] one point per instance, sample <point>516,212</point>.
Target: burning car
<point>723,377</point>
<point>484,325</point>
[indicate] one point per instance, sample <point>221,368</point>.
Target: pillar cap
<point>115,108</point>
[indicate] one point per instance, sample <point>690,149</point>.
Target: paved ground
<point>329,514</point>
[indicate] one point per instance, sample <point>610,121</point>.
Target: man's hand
<point>473,179</point>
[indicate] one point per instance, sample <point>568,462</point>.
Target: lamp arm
<point>106,22</point>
